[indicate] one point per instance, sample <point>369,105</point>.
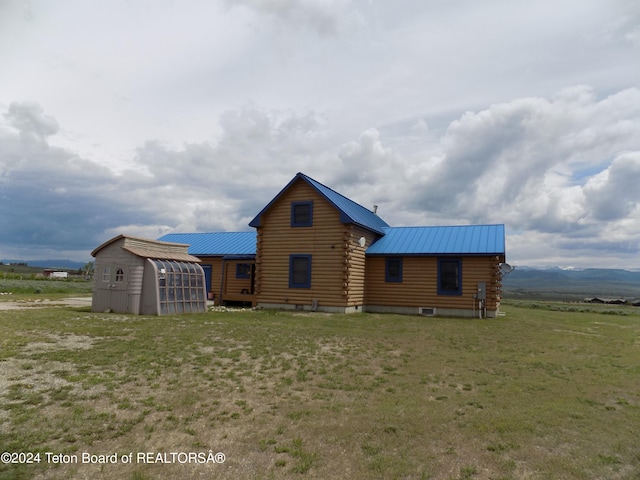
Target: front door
<point>207,276</point>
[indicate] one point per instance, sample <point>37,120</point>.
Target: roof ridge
<point>449,226</point>
<point>441,240</point>
<point>362,215</point>
<point>334,191</point>
<point>125,237</point>
<point>209,233</point>
<point>350,210</point>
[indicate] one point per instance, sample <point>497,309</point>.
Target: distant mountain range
<point>61,264</point>
<point>556,282</point>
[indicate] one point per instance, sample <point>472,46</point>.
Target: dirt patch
<point>23,371</point>
<point>61,342</point>
<point>46,303</point>
<point>15,371</point>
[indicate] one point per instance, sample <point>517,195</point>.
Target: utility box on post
<point>481,298</point>
<point>482,291</point>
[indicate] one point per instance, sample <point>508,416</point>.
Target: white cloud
<point>366,159</point>
<point>521,160</point>
<point>256,154</point>
<point>420,127</point>
<point>633,36</point>
<point>325,17</point>
<point>187,116</point>
<point>613,194</point>
<point>29,119</point>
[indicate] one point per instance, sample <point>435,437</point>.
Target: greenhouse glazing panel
<point>180,287</point>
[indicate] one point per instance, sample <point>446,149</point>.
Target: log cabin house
<point>315,249</point>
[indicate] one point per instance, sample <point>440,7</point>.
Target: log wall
<point>419,283</point>
<point>328,241</point>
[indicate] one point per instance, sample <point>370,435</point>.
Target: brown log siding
<point>237,289</point>
<point>231,288</point>
<point>233,285</point>
<point>354,277</point>
<point>216,273</point>
<point>328,241</point>
<point>419,283</point>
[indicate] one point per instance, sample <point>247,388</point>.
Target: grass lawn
<point>536,394</point>
<point>43,286</point>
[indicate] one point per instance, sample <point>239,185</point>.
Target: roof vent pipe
<point>375,209</point>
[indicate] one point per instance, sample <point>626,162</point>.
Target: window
<point>243,270</point>
<point>106,274</point>
<point>301,214</point>
<point>119,275</point>
<point>393,269</point>
<point>449,277</point>
<point>300,271</point>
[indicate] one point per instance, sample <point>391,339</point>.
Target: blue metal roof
<point>449,240</point>
<point>452,240</point>
<point>350,211</point>
<point>218,243</point>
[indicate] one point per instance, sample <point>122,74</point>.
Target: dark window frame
<point>393,273</point>
<point>299,218</point>
<point>294,280</point>
<point>449,283</point>
<point>243,270</point>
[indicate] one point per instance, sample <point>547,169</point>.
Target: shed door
<point>114,279</point>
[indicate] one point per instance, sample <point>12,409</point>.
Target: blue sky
<point>150,117</point>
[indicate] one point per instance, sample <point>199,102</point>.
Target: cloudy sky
<point>148,117</point>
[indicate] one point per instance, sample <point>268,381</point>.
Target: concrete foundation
<point>429,311</point>
<point>424,311</point>
<point>310,308</point>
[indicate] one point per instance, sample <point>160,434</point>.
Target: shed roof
<point>441,240</point>
<point>161,255</point>
<point>217,243</point>
<point>147,248</point>
<point>350,211</point>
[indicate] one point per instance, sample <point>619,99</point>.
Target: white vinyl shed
<point>148,277</point>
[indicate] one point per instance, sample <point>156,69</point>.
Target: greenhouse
<point>180,286</point>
